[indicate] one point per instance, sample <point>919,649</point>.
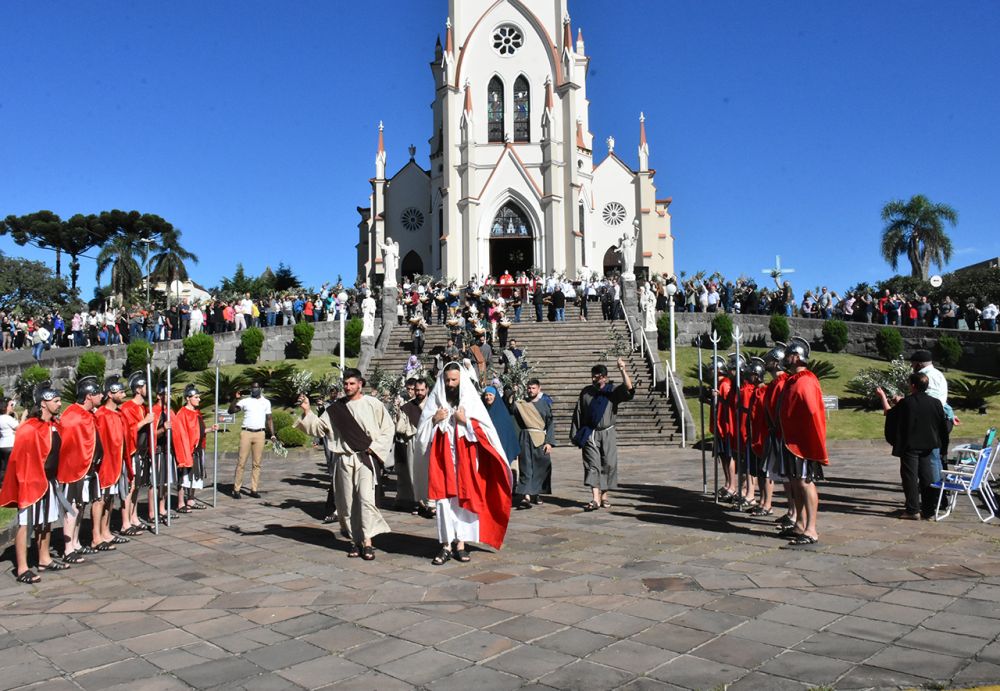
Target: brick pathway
<point>663,591</point>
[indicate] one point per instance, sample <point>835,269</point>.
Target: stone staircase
<point>563,353</point>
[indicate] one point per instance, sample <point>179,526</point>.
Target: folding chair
<point>968,453</point>
<point>968,481</point>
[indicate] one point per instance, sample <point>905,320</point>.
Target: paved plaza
<point>665,590</point>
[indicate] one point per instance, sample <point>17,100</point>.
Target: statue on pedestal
<point>626,248</point>
<point>647,303</point>
<point>390,261</point>
<point>368,317</point>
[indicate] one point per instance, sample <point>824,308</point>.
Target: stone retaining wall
<point>980,349</point>
<point>62,361</point>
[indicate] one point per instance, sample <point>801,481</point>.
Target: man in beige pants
<point>256,419</point>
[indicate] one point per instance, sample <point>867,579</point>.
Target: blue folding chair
<point>969,480</point>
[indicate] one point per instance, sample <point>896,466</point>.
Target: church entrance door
<point>512,241</point>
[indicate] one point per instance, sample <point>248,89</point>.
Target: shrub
<point>948,351</point>
<point>778,326</point>
<point>974,392</point>
<point>723,326</point>
<point>352,337</point>
<point>198,352</point>
<point>823,369</point>
<point>228,386</point>
<point>91,364</point>
<point>138,354</point>
<point>281,420</point>
<point>24,387</point>
<point>302,339</point>
<point>895,381</point>
<point>290,437</point>
<point>663,331</point>
<point>251,341</point>
<point>835,335</point>
<point>889,343</point>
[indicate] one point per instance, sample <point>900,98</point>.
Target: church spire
<point>468,98</point>
<point>643,145</point>
<point>549,110</point>
<point>449,45</point>
<point>438,52</point>
<point>380,154</point>
<point>567,34</point>
<point>579,42</point>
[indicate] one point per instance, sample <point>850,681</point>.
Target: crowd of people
<point>110,325</point>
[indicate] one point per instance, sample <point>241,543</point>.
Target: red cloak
<point>481,481</point>
<point>111,426</point>
<point>803,417</point>
<point>772,397</point>
<point>758,421</point>
<point>723,418</point>
<point>25,482</point>
<point>133,413</point>
<point>745,398</point>
<point>78,432</point>
<point>186,432</point>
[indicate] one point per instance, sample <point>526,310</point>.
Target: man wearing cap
<point>536,439</point>
<point>30,483</point>
<point>111,430</point>
<point>593,431</point>
<point>937,387</point>
<point>80,453</point>
<point>137,453</point>
<point>256,418</point>
<point>802,417</point>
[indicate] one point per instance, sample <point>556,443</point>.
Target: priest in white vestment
<point>468,474</point>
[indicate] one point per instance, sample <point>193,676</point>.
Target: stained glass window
<point>494,110</point>
<point>522,110</point>
<point>510,222</point>
<point>507,39</point>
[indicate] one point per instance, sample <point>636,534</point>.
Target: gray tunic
<point>535,467</point>
<point>600,453</point>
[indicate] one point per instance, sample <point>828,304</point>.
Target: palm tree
<point>119,255</point>
<point>916,229</point>
<point>168,262</point>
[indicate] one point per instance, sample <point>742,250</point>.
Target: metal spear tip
<point>737,334</point>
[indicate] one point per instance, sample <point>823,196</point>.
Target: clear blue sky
<point>777,127</point>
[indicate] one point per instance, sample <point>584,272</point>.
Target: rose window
<point>412,219</point>
<point>507,39</point>
<point>614,214</point>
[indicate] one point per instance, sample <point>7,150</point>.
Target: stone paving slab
<point>666,590</point>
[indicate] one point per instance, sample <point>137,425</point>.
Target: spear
<point>169,456</point>
<point>715,409</point>
<point>737,334</point>
<point>701,411</point>
<point>152,452</point>
<point>215,461</point>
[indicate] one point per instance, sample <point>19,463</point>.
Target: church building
<point>513,183</point>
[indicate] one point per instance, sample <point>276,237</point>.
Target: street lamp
<point>145,258</point>
<point>342,310</point>
<point>671,291</point>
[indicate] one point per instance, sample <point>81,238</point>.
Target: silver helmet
<point>775,354</point>
<point>799,346</point>
<point>756,368</point>
<point>136,379</point>
<point>719,363</point>
<point>44,392</point>
<point>88,386</point>
<point>113,385</point>
<point>735,362</point>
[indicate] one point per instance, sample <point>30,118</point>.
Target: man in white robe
<point>356,466</point>
<point>468,474</point>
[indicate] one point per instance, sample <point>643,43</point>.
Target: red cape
<point>133,413</point>
<point>111,426</point>
<point>481,482</point>
<point>772,397</point>
<point>25,481</point>
<point>78,432</point>
<point>186,433</point>
<point>745,397</point>
<point>758,421</point>
<point>723,419</point>
<point>803,417</point>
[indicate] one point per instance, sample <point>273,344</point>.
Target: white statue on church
<point>390,261</point>
<point>626,248</point>
<point>647,303</point>
<point>368,317</point>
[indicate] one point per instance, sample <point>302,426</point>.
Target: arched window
<point>510,222</point>
<point>522,110</point>
<point>494,110</point>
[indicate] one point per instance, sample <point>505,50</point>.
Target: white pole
<point>152,451</point>
<point>215,423</point>
<point>340,308</point>
<point>168,455</point>
<point>715,411</point>
<point>673,350</point>
<point>739,423</point>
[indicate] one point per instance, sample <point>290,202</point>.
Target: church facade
<point>513,184</point>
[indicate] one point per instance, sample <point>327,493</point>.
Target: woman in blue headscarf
<point>503,422</point>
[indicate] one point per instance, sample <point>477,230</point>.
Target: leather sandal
<point>354,551</point>
<point>368,553</point>
<point>592,506</point>
<point>443,557</point>
<point>29,577</point>
<point>53,566</point>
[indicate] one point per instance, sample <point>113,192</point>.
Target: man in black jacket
<point>915,427</point>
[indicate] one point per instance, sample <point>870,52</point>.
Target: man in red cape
<point>189,444</point>
<point>723,429</point>
<point>802,417</point>
<point>111,430</point>
<point>137,418</point>
<point>26,485</point>
<point>469,477</point>
<point>78,455</point>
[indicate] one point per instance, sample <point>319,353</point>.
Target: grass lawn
<point>6,516</point>
<point>851,421</point>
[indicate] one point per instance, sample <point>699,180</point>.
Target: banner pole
<point>152,451</point>
<point>215,461</point>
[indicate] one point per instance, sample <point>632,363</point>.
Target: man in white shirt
<point>989,317</point>
<point>256,419</point>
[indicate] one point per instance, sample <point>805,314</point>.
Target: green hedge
<point>663,331</point>
<point>91,364</point>
<point>198,352</point>
<point>835,335</point>
<point>948,351</point>
<point>352,337</point>
<point>779,328</point>
<point>251,342</point>
<point>889,343</point>
<point>302,339</point>
<point>281,420</point>
<point>24,387</point>
<point>723,326</point>
<point>138,354</point>
<point>292,437</point>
